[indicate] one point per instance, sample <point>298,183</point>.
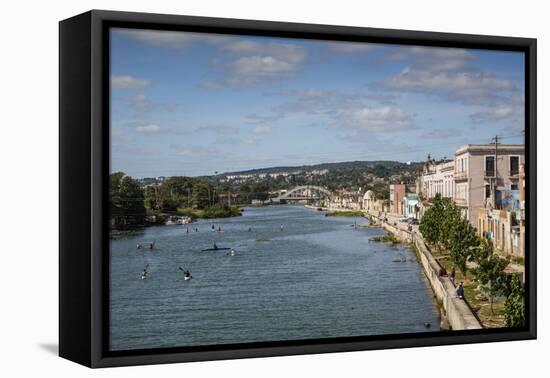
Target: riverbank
<point>349,213</point>
<point>336,211</point>
<point>456,312</point>
<point>215,211</point>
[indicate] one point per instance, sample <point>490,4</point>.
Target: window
<point>490,166</point>
<point>514,165</point>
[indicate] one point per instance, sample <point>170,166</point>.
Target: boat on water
<point>178,220</point>
<point>216,249</point>
<point>187,278</point>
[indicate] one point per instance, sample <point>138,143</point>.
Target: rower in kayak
<point>186,274</point>
<point>143,274</point>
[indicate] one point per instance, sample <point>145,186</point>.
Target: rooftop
<point>489,148</point>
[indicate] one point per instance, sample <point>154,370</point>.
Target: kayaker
<point>215,246</point>
<point>143,274</point>
<point>138,246</point>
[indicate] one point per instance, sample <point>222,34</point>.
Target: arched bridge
<point>304,192</point>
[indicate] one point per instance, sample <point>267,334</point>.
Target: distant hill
<point>383,165</point>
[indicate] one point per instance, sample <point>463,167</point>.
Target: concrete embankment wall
<point>458,313</point>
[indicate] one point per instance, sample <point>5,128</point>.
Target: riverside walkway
<point>457,311</point>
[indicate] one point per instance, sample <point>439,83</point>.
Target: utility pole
<point>495,184</point>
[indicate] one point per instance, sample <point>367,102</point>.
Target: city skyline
<point>193,104</point>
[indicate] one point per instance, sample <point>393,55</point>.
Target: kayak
<point>187,278</point>
<point>215,249</point>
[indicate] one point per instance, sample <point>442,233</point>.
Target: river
<point>296,275</point>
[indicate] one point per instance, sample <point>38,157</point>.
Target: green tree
<point>114,197</point>
<point>150,196</point>
<point>201,195</point>
<point>126,201</point>
<point>260,191</point>
<point>381,191</point>
<point>514,306</point>
<point>462,242</point>
<point>450,219</point>
<point>490,272</point>
<point>431,223</point>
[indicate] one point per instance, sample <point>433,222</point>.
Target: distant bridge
<point>304,192</point>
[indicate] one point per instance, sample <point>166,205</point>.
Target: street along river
<point>296,274</point>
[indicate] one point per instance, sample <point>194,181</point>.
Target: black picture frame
<point>84,169</point>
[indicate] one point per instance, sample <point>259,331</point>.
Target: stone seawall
<point>458,313</point>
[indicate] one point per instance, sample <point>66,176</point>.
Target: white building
<point>439,178</point>
<point>411,205</point>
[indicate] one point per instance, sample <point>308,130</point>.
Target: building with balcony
<point>487,187</point>
<point>438,178</point>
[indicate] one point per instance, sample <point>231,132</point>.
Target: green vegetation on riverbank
<point>133,206</point>
<point>216,211</point>
<point>345,213</point>
<point>387,238</point>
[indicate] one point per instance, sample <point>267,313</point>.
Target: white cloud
<point>224,130</point>
<point>379,119</point>
<point>352,47</point>
<point>251,63</point>
<point>468,87</point>
<point>434,59</point>
<point>497,113</point>
<point>262,66</point>
<point>141,102</point>
<point>447,73</point>
<point>261,130</point>
<point>148,129</point>
<point>280,51</point>
<point>247,62</point>
<point>247,141</point>
<point>128,82</point>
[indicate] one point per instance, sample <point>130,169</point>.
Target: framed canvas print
<point>234,188</point>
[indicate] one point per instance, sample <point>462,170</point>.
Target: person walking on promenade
<point>460,291</point>
<point>453,274</point>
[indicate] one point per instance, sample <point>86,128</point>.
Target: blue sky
<point>193,104</point>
